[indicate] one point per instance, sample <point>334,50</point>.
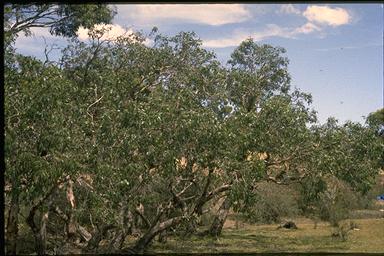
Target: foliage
<point>336,203</point>
<point>376,119</point>
<point>273,203</point>
<point>62,20</point>
<point>169,128</point>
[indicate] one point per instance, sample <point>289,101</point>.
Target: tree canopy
<point>62,20</point>
<point>120,130</point>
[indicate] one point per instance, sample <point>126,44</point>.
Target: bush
<point>369,200</point>
<point>342,231</point>
<point>336,203</point>
<point>273,203</point>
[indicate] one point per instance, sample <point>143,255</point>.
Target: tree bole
<point>219,220</point>
<point>12,225</point>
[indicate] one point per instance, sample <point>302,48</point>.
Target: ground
<point>368,237</point>
<point>241,237</point>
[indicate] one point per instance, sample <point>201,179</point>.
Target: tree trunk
<point>71,227</point>
<point>71,223</point>
<point>144,241</point>
<point>12,224</point>
<point>97,236</point>
<point>126,222</point>
<point>218,222</point>
<point>41,235</point>
<point>40,230</point>
<point>84,234</point>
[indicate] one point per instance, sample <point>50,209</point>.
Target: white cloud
<point>327,16</point>
<point>318,18</point>
<point>36,42</point>
<point>41,32</point>
<point>111,31</point>
<point>210,14</point>
<point>289,9</point>
<point>270,31</point>
<point>307,28</point>
<point>225,42</point>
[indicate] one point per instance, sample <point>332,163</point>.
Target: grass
<point>241,237</point>
<point>267,238</point>
<point>366,214</point>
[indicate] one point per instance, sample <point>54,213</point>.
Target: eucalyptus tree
<point>150,107</point>
<point>38,150</point>
<point>61,19</point>
<point>375,120</point>
<point>267,126</point>
<point>144,136</point>
<point>349,153</point>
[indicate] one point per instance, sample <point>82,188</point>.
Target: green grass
<point>267,238</point>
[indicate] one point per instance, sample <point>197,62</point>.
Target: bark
<point>71,227</point>
<point>162,238</point>
<point>144,241</point>
<point>203,197</point>
<point>84,234</point>
<point>126,224</point>
<point>218,222</point>
<point>140,218</point>
<point>69,220</point>
<point>98,235</point>
<point>71,223</point>
<point>12,224</point>
<point>39,230</point>
<point>206,197</point>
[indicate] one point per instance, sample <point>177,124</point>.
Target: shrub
<point>342,231</point>
<point>336,203</point>
<point>273,203</point>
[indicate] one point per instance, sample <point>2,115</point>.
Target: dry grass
<point>267,238</point>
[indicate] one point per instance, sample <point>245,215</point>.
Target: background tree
<point>62,20</point>
<point>376,121</point>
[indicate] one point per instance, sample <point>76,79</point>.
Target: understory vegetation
<point>125,144</point>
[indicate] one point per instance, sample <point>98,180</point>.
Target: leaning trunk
<point>97,236</point>
<point>39,232</point>
<point>145,240</point>
<point>218,222</point>
<point>40,229</point>
<point>71,223</point>
<point>126,224</point>
<point>41,236</point>
<point>71,227</point>
<point>12,225</point>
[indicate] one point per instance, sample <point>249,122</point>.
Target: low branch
<point>98,235</point>
<point>286,181</point>
<point>59,213</point>
<point>146,221</point>
<point>160,213</point>
<point>177,197</point>
<point>202,200</point>
<point>144,241</point>
<point>39,203</point>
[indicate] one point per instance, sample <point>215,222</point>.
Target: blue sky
<point>335,50</point>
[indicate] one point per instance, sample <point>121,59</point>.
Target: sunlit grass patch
<point>267,238</point>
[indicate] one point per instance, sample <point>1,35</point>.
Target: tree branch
<point>146,221</point>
